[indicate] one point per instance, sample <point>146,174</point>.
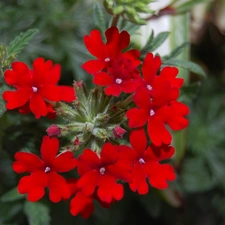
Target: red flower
<point>122,76</point>
<point>102,173</point>
<point>80,203</point>
<point>156,82</point>
<point>146,163</point>
<point>156,113</point>
<point>106,53</point>
<point>35,88</point>
<point>43,172</point>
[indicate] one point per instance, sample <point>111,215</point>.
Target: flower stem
<point>115,20</point>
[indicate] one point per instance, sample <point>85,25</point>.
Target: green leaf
<point>176,52</point>
<point>191,66</point>
<point>9,210</point>
<point>196,176</point>
<point>20,42</point>
<point>187,6</point>
<point>37,213</point>
<point>158,40</point>
<point>11,195</point>
<point>99,17</point>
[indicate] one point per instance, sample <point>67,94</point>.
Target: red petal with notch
<point>95,44</point>
<point>49,149</point>
<point>157,132</point>
<point>113,89</point>
<point>57,186</point>
<point>138,141</point>
<point>38,106</point>
<point>34,185</point>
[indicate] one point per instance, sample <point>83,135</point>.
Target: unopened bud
<point>118,132</point>
<point>53,131</point>
<point>76,141</point>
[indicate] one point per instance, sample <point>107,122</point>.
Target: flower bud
<point>53,131</point>
<point>118,132</point>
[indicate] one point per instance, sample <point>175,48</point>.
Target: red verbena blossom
<point>146,163</point>
<point>100,173</point>
<point>44,171</point>
<point>107,52</point>
<point>167,76</point>
<point>121,77</point>
<point>35,88</point>
<point>80,203</point>
<point>156,113</point>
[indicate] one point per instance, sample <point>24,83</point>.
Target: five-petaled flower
<point>35,88</point>
<point>146,164</point>
<point>44,171</point>
<point>100,173</point>
<point>107,52</point>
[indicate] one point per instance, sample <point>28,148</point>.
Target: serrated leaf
<point>20,42</point>
<point>158,40</point>
<point>37,213</point>
<point>191,66</point>
<point>176,52</point>
<point>11,195</point>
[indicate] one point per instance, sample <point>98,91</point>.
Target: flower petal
<point>138,141</point>
<point>38,106</point>
<point>27,162</point>
<point>102,79</point>
<point>113,89</point>
<point>34,185</point>
<point>95,44</point>
<point>66,93</point>
<point>57,186</point>
<point>81,204</point>
<point>109,153</point>
<point>157,132</point>
<point>49,150</point>
<point>137,117</point>
<point>64,162</point>
<point>93,66</point>
<point>142,98</point>
<point>15,99</point>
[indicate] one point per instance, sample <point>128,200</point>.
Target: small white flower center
<point>142,161</point>
<point>118,81</point>
<point>47,169</point>
<point>102,170</point>
<point>149,87</point>
<point>34,89</point>
<point>107,59</point>
<point>152,113</point>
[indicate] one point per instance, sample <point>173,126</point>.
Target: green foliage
<point>154,42</point>
<point>11,196</point>
<point>37,213</point>
<point>20,42</point>
<point>129,10</point>
<point>191,66</point>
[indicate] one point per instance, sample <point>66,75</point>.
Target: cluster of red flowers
<point>101,175</point>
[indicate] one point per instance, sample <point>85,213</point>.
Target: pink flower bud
<point>118,132</point>
<point>53,131</point>
<point>76,141</point>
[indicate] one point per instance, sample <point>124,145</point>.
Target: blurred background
<point>197,197</point>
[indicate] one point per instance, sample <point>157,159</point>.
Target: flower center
<point>34,89</point>
<point>152,113</point>
<point>118,81</point>
<point>142,161</point>
<point>47,169</point>
<point>149,87</point>
<point>102,170</point>
<point>107,59</point>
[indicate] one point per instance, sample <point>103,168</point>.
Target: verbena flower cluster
<point>103,166</point>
